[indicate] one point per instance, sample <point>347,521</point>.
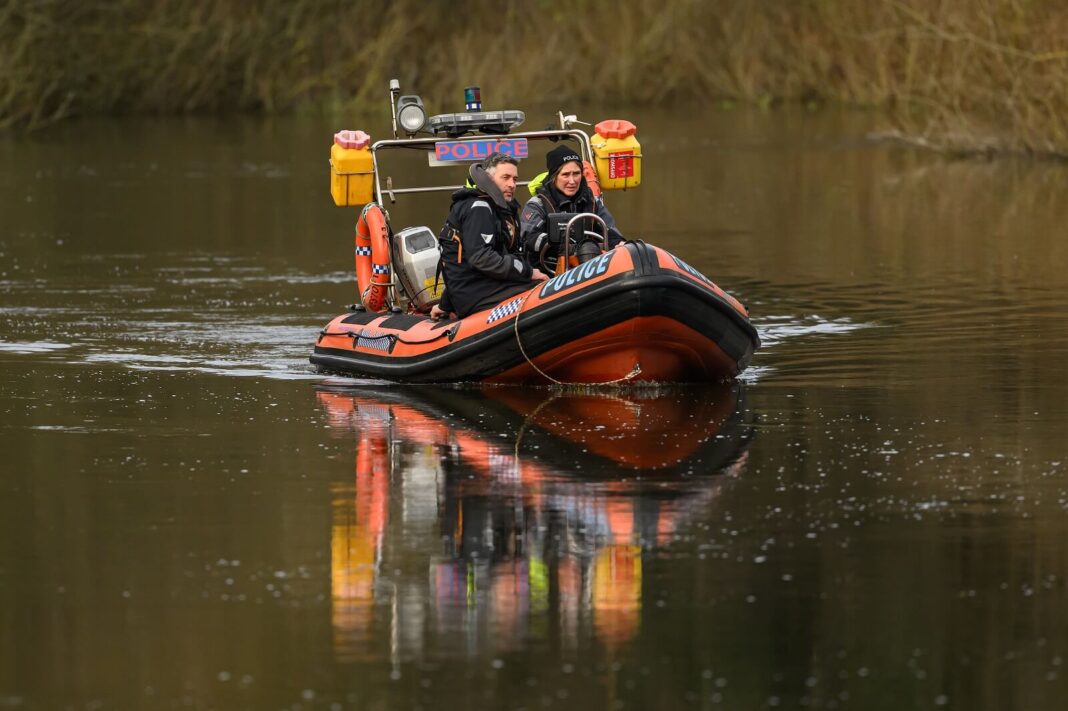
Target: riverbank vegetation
<point>957,75</point>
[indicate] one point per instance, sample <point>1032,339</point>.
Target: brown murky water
<point>875,518</point>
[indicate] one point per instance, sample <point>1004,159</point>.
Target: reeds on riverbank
<point>954,74</point>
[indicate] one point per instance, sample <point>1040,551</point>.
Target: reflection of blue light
<point>473,98</point>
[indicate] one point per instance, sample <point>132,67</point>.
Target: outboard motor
<point>415,259</point>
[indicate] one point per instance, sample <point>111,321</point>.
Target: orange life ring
<point>372,257</point>
<point>590,174</point>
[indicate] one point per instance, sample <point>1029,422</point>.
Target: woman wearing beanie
<point>564,189</point>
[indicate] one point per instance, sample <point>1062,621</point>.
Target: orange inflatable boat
<point>636,313</point>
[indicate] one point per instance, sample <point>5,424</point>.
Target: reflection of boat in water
<point>521,506</point>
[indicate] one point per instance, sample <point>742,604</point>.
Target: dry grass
<point>959,75</point>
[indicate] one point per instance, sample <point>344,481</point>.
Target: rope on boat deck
<point>635,371</point>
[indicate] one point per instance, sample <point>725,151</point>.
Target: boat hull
<point>635,314</point>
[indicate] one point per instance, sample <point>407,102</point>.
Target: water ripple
<point>32,347</point>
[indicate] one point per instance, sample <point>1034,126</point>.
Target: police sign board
<point>452,152</point>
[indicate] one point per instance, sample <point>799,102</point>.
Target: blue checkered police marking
<point>380,343</point>
<point>504,310</point>
<point>380,269</point>
<point>363,251</point>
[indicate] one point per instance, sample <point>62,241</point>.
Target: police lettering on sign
<point>455,151</point>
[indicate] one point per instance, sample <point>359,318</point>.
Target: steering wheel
<point>575,238</point>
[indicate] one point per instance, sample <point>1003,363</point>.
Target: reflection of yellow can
<point>351,169</point>
<point>352,577</point>
<point>617,592</point>
<point>618,154</point>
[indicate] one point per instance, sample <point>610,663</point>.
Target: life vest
<point>372,257</point>
<point>590,174</point>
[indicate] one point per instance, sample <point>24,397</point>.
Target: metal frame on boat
<point>428,144</point>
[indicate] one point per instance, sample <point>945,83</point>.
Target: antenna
<point>394,89</point>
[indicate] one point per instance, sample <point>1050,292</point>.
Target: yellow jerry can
<point>618,154</point>
<point>351,169</point>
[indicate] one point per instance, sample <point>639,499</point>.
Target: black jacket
<point>547,199</point>
<point>481,258</point>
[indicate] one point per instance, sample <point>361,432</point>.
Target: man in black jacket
<point>481,256</point>
<point>564,189</point>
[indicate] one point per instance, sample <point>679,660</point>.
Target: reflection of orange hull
<point>418,427</point>
<point>641,432</point>
<point>636,430</point>
<point>636,312</point>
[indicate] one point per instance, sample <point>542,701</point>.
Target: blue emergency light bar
<point>492,122</point>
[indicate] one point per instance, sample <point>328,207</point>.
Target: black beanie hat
<point>556,158</point>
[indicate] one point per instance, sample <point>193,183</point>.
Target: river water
<point>875,517</point>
